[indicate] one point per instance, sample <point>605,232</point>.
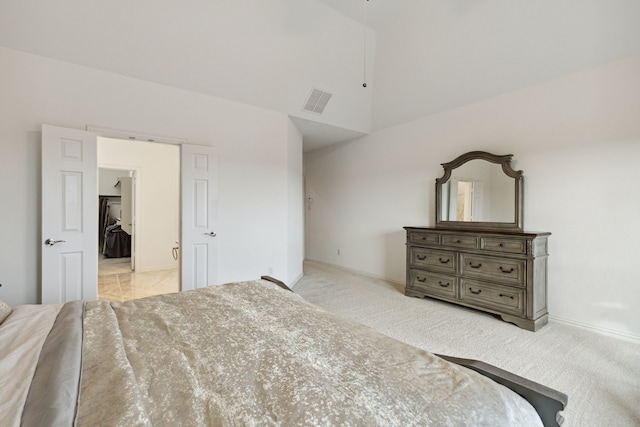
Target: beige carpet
<point>600,374</point>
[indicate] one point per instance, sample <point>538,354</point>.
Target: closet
<point>115,224</point>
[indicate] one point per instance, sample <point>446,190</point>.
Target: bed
<point>240,354</point>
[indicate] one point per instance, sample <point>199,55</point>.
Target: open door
<point>69,215</point>
<point>127,193</point>
<point>198,238</point>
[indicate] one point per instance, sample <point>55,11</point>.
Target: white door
<point>69,215</point>
<point>478,201</point>
<point>198,238</point>
<point>127,203</point>
<point>453,199</point>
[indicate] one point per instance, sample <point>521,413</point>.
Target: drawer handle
<point>475,292</point>
<point>444,261</point>
<point>508,296</point>
<point>421,258</point>
<point>506,271</point>
<point>474,266</point>
<point>501,245</point>
<point>444,285</point>
<point>458,241</point>
<point>422,280</point>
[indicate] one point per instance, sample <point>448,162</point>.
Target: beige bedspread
<point>252,354</point>
<point>19,353</point>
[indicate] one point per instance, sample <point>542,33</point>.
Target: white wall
<point>295,200</point>
<point>577,139</point>
<point>107,178</point>
<point>251,144</point>
<point>157,196</point>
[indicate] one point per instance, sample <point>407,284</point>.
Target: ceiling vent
<point>317,101</point>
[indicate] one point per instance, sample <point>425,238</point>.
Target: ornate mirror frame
<point>505,162</point>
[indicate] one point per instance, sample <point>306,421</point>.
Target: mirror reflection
<point>478,191</point>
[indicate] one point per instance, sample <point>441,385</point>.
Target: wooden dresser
<point>501,272</point>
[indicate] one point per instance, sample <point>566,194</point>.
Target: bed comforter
<point>242,354</point>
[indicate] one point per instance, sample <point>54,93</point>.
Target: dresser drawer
<point>503,270</point>
<point>496,244</point>
<point>501,298</point>
<point>424,238</point>
<point>460,241</point>
<point>444,261</point>
<point>433,283</point>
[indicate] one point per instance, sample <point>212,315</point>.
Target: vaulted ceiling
<point>420,57</point>
<point>375,13</point>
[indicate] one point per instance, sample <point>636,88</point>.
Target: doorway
<point>139,211</point>
<point>69,228</point>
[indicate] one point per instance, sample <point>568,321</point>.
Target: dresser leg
<point>529,325</point>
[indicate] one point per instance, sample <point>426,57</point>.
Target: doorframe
<point>105,132</point>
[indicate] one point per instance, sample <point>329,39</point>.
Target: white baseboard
<point>296,280</point>
<point>596,329</point>
<point>354,271</point>
<point>634,338</point>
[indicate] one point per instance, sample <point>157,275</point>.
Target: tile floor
<point>116,281</point>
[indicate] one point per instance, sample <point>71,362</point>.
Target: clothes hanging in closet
<point>103,220</point>
<point>117,242</point>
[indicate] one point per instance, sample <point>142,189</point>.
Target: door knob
<point>210,234</point>
<point>51,242</point>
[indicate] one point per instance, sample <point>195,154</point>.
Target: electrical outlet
<point>338,251</point>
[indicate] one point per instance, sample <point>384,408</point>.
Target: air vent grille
<point>317,101</point>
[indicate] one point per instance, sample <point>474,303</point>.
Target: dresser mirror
<point>480,190</point>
